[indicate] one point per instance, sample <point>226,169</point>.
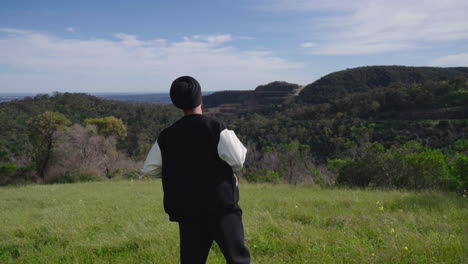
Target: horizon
<point>113,46</point>
<point>208,91</point>
<point>95,93</point>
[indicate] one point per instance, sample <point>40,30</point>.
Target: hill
<point>431,108</point>
<point>363,79</point>
<point>272,93</point>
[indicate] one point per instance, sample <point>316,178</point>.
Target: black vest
<point>197,183</point>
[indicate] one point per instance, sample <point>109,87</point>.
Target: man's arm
<point>153,163</point>
<point>231,150</point>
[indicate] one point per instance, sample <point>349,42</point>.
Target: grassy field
<point>124,222</point>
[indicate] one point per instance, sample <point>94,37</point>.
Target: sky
<point>141,46</point>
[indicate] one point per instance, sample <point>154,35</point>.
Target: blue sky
<point>142,46</point>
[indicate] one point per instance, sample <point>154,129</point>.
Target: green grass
<point>124,222</point>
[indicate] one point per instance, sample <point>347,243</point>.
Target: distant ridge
<point>272,93</point>
<point>154,98</point>
<point>362,79</point>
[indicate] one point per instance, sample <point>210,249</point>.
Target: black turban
<point>186,93</point>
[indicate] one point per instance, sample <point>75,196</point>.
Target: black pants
<point>227,231</point>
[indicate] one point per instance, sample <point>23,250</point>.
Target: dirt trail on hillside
<point>298,90</point>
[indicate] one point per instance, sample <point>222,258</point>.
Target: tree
<point>82,153</point>
<point>42,129</point>
<point>108,126</point>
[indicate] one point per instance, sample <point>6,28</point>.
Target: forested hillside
<point>144,120</point>
<point>385,126</point>
<point>378,125</point>
<point>364,79</point>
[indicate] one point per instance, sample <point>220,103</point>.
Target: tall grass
<point>123,222</point>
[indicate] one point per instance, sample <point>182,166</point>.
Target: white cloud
<point>214,39</point>
<point>308,44</point>
<point>144,64</point>
<point>130,40</point>
<point>70,29</point>
<point>13,31</point>
<point>460,59</point>
<point>245,37</point>
<point>376,26</point>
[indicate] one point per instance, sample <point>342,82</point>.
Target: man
<point>197,157</point>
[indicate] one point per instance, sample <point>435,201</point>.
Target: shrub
<point>271,176</point>
<point>260,175</point>
<point>459,171</point>
<point>365,169</point>
<point>72,178</point>
<point>419,167</point>
<point>410,166</point>
<point>283,162</point>
<point>317,176</point>
<point>7,170</point>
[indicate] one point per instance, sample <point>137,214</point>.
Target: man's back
<point>197,183</point>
